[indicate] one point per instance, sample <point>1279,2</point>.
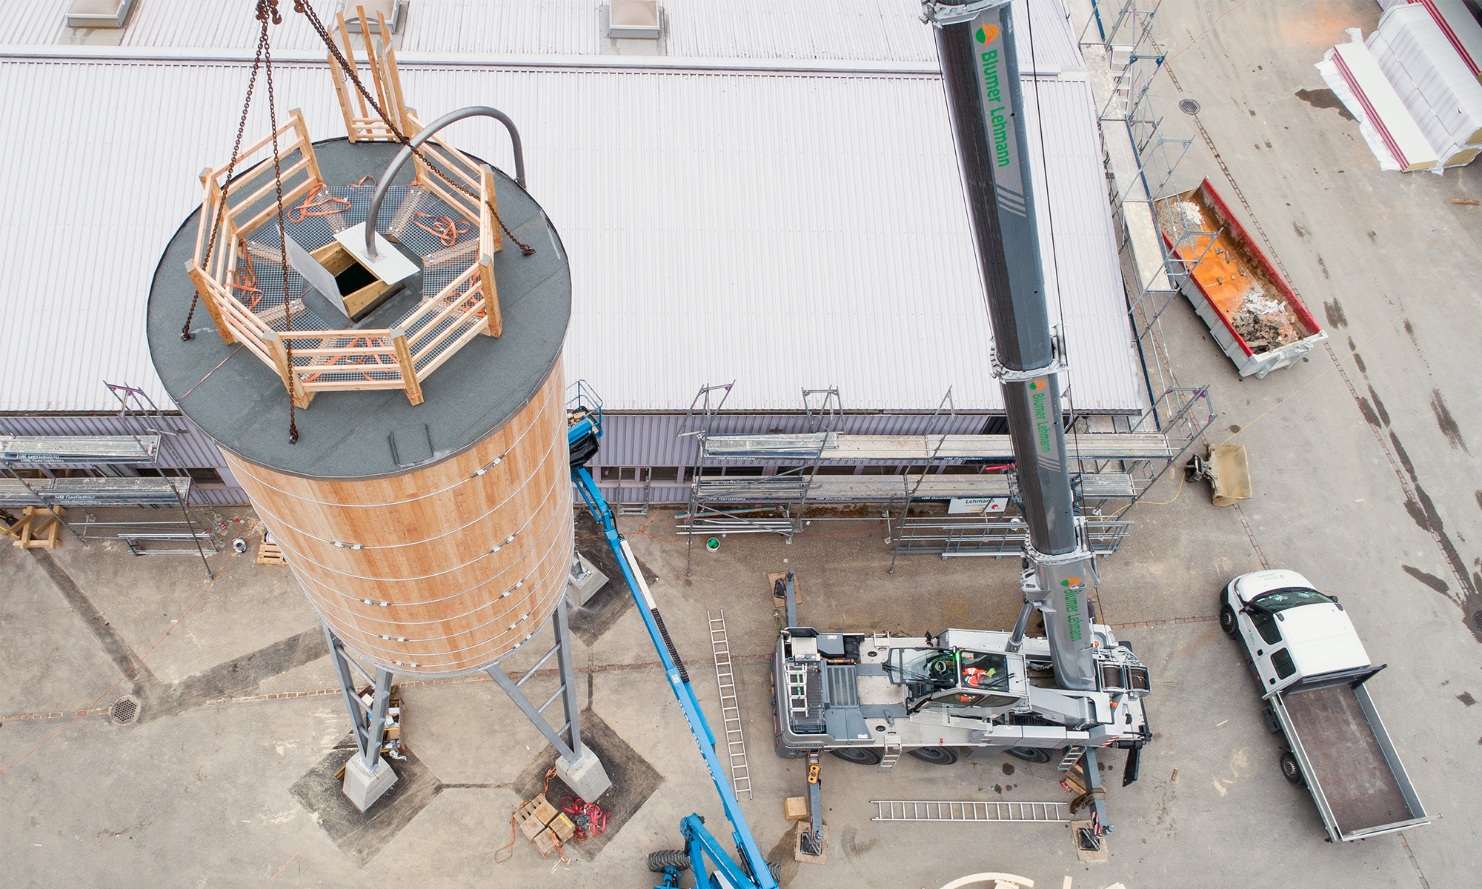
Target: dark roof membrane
<point>241,403</point>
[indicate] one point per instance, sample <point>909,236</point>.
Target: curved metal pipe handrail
<point>406,152</point>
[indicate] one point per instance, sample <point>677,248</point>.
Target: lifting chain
<point>334,50</point>
<point>267,58</point>
<point>266,9</point>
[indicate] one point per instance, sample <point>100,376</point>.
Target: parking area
<point>1365,480</point>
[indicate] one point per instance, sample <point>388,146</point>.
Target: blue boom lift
<point>703,853</point>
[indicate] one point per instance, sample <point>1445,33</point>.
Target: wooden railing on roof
<point>250,202</point>
<point>362,124</point>
<point>403,356</point>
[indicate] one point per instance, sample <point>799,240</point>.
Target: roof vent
<point>394,11</point>
<point>640,19</point>
<point>99,13</point>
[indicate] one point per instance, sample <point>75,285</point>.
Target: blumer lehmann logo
<point>987,33</point>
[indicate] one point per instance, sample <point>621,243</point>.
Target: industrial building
<point>759,197</point>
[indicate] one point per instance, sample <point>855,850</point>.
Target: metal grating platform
<point>906,449</point>
<point>88,449</point>
<point>94,491</point>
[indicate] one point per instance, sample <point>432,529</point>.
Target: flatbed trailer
<point>1253,313</point>
<point>1348,761</point>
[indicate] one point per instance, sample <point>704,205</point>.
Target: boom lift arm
<point>753,872</point>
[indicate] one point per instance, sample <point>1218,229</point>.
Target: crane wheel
<point>865,756</point>
<point>664,859</point>
<point>937,756</point>
<point>1029,754</point>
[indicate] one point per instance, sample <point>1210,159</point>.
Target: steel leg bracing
<point>367,775</point>
<point>579,766</point>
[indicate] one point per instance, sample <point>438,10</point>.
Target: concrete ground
<point>1365,480</point>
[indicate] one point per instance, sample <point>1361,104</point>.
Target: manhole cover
<point>124,710</point>
<point>1188,106</point>
<point>1477,619</point>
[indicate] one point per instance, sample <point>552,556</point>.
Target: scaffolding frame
<point>146,441</point>
<point>764,504</point>
<point>1123,58</point>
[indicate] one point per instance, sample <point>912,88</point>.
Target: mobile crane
<point>868,697</point>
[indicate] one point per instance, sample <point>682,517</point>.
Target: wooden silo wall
<point>436,585</point>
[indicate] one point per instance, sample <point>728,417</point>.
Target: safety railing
<point>362,124</point>
<point>216,266</point>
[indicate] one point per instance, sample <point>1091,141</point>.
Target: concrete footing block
<point>364,786</point>
<point>584,585</point>
<point>586,777</point>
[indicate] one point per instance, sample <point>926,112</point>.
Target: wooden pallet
<point>270,554</point>
<point>37,528</point>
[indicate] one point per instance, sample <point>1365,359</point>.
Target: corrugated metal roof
<point>854,30</point>
<point>781,230</point>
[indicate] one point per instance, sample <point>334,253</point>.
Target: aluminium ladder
<point>730,705</point>
<point>980,811</point>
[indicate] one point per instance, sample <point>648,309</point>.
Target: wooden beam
<point>291,381</point>
<point>341,86</point>
<point>305,144</point>
<point>408,368</point>
<point>490,210</point>
<point>393,77</point>
<point>207,295</point>
<point>491,296</point>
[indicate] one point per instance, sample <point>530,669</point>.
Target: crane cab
<point>959,680</point>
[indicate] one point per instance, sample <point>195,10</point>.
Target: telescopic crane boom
<point>980,70</point>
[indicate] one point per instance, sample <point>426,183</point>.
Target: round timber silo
<point>432,538</point>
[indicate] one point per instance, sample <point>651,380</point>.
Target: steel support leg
<point>579,766</point>
<point>367,774</point>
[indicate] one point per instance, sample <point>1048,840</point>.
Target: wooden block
<point>37,528</point>
<point>797,847</point>
<point>546,842</point>
<point>797,588</point>
<point>562,827</point>
<point>795,808</point>
<point>532,827</point>
<point>1075,780</point>
<point>545,813</point>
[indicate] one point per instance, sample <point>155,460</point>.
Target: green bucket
<point>712,545</point>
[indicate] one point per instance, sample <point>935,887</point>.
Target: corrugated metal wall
<point>654,440</point>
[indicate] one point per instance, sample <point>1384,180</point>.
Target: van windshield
<point>1292,597</point>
